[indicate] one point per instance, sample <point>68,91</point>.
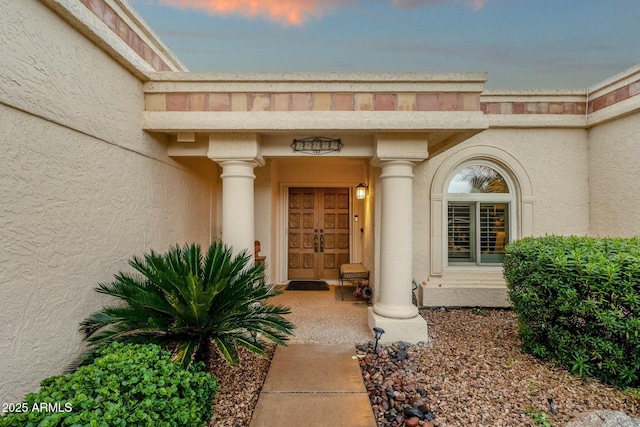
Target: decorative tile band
<point>107,15</point>
<point>595,104</point>
<point>615,96</point>
<point>533,107</point>
<point>320,101</point>
<point>342,101</point>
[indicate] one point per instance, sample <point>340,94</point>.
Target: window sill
<point>463,267</point>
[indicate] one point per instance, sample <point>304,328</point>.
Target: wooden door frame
<point>282,240</point>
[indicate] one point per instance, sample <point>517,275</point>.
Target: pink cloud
<point>414,4</point>
<point>293,12</point>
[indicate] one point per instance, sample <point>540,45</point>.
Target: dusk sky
<point>529,44</point>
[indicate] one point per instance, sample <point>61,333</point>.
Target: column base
<point>413,330</point>
<point>396,312</point>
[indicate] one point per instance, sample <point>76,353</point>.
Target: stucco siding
<point>82,189</point>
<point>265,194</point>
<point>614,176</point>
<point>50,70</point>
<point>555,162</point>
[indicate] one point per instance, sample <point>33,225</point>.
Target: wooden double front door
<point>318,230</point>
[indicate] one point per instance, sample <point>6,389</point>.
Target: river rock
<point>410,411</point>
<point>391,385</point>
<point>412,422</point>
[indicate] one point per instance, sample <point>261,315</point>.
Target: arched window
<point>451,190</point>
<point>480,204</point>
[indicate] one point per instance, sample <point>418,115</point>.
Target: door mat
<point>307,285</point>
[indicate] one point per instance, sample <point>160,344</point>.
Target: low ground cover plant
<point>578,303</point>
<point>126,385</point>
<point>194,302</point>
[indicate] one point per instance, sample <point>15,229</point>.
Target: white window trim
<point>521,208</point>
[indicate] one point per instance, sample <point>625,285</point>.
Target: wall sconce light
<point>361,191</point>
<point>378,331</point>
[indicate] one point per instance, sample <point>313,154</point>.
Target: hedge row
<point>578,303</point>
<point>129,385</point>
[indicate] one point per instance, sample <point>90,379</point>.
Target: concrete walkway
<point>314,385</point>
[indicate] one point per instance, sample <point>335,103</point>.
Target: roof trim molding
<point>115,27</point>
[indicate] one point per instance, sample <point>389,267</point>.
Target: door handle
<point>315,243</point>
<point>321,240</point>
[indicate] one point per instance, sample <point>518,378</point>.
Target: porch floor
<point>321,317</point>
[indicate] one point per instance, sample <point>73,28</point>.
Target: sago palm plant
<point>194,303</point>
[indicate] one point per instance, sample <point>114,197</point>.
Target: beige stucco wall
<point>556,163</point>
<point>614,176</point>
<point>263,209</point>
<point>82,188</point>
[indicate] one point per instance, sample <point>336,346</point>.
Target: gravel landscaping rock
<point>473,373</point>
<point>239,388</point>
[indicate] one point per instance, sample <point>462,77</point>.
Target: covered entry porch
<point>387,125</point>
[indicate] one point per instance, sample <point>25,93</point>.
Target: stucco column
<point>237,204</point>
<point>393,310</point>
<point>238,154</point>
<point>396,241</point>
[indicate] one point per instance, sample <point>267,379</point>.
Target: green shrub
<point>199,302</point>
<point>578,303</point>
<point>127,385</point>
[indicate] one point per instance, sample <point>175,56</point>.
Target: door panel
<point>335,210</point>
<point>302,237</point>
<point>318,232</point>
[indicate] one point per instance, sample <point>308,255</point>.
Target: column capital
<point>237,168</point>
<point>393,168</point>
<point>408,146</point>
<point>235,147</point>
<point>240,162</point>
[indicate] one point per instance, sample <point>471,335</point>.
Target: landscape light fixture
<point>378,331</point>
<point>316,145</point>
<point>361,191</point>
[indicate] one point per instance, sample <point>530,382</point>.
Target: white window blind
<point>477,228</point>
<point>493,231</point>
<point>461,245</point>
